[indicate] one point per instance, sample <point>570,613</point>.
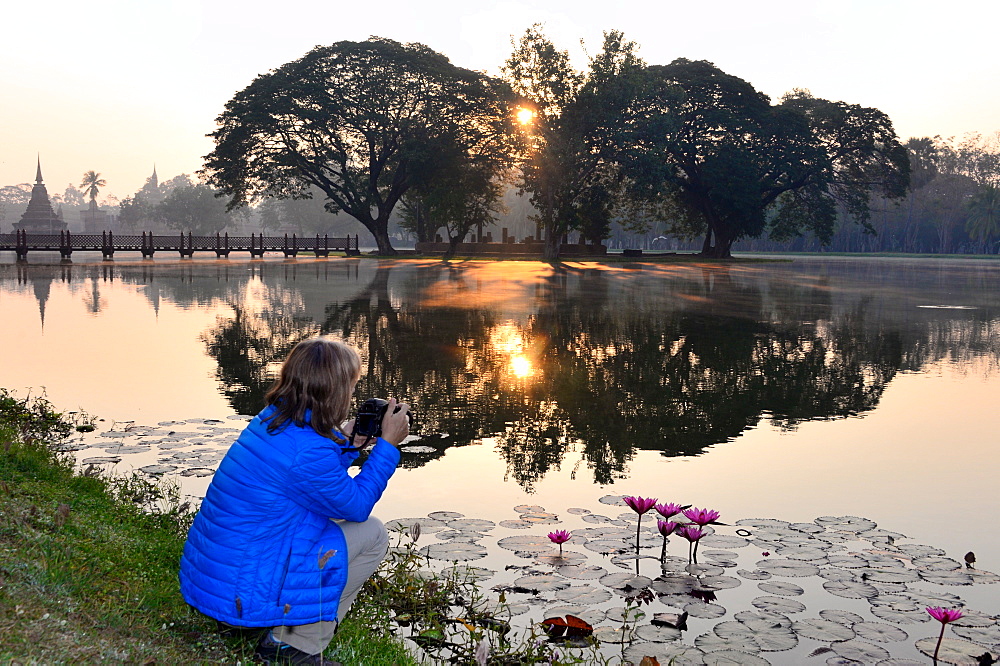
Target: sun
<point>525,116</point>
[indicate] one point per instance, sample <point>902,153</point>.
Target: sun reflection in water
<point>507,340</point>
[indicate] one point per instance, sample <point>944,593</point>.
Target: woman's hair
<point>319,376</point>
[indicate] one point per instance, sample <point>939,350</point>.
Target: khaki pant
<point>367,545</point>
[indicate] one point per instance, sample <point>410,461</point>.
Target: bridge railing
<point>148,243</point>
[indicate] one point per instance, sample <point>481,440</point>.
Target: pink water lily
<point>668,510</point>
<point>692,534</point>
<point>944,616</point>
<point>640,504</point>
<point>701,517</point>
<point>560,537</point>
<point>666,528</point>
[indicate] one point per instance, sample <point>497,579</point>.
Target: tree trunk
<point>553,241</point>
<point>381,234</point>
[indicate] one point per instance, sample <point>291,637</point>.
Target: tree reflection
<point>590,368</point>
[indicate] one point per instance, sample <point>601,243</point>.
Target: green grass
<point>88,565</point>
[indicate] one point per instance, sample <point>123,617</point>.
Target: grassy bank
<point>88,564</point>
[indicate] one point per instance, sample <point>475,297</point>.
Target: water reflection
<point>592,364</point>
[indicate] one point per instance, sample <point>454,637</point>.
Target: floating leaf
<point>846,618</point>
<point>889,575</point>
<point>591,615</point>
<point>445,515</point>
<point>458,535</point>
<point>581,571</point>
<point>198,471</point>
<point>578,512</point>
<point>516,524</point>
<point>427,525</point>
<point>597,518</point>
<point>846,524</point>
<point>860,651</point>
<point>704,610</point>
<point>822,630</point>
<point>946,577</point>
<point>472,524</point>
<point>540,518</point>
<point>615,635</point>
<point>936,563</point>
<point>846,561</point>
<point>571,627</point>
<point>567,559</point>
<point>953,650</point>
<point>833,573</point>
<point>712,642</point>
<point>879,632</point>
<point>101,460</point>
<point>754,575</point>
<point>850,589</point>
<point>528,543</point>
<point>613,500</point>
<point>716,583</point>
<point>900,616</point>
<point>734,658</point>
<point>791,568</point>
<point>781,588</point>
<point>608,547</point>
<point>541,583</point>
<point>778,605</point>
<point>919,550</point>
<point>657,633</point>
<point>625,582</point>
<point>156,470</point>
<point>974,618</point>
<point>989,636</point>
<point>454,551</point>
<point>666,653</point>
<point>584,595</point>
<point>632,614</point>
<point>723,541</point>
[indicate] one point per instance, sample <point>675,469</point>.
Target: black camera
<point>368,423</point>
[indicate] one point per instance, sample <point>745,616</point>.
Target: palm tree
<point>984,215</point>
<point>92,182</point>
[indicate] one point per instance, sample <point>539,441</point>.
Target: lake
<point>790,390</point>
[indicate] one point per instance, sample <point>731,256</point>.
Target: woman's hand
<point>396,422</point>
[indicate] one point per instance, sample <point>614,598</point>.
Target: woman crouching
<point>284,538</point>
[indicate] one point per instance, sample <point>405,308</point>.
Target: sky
<point>120,85</point>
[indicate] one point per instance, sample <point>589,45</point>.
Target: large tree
<point>578,129</point>
<point>193,208</point>
<point>739,166</point>
<point>354,120</point>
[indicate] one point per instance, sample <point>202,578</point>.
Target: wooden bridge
<point>107,243</point>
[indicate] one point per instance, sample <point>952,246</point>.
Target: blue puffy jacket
<point>263,550</point>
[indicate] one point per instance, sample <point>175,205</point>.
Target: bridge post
<point>219,250</point>
<point>21,245</point>
<point>65,248</point>
<point>107,245</point>
<point>290,250</point>
<point>324,250</point>
<point>189,251</point>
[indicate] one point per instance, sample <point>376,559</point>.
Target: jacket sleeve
<point>319,482</point>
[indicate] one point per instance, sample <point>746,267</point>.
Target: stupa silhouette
<point>39,218</point>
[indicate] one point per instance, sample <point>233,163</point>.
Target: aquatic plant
<point>560,537</point>
<point>944,616</point>
<point>665,528</point>
<point>640,505</point>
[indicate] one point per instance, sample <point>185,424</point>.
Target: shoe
<point>271,651</point>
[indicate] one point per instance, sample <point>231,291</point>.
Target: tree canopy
<point>360,121</point>
<point>738,166</point>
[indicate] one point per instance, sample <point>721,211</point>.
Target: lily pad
<point>936,563</point>
<point>823,630</point>
<point>778,605</point>
<point>953,650</point>
<point>900,616</point>
<point>581,571</point>
<point>529,508</point>
<point>516,524</point>
<point>101,460</point>
<point>542,582</point>
<point>528,543</point>
<point>673,584</point>
<point>890,576</point>
<point>198,471</point>
<point>712,642</point>
<point>846,618</point>
<point>156,470</point>
<point>989,636</point>
<point>625,582</point>
<point>946,577</point>
<point>666,653</point>
<point>734,658</point>
<point>781,588</point>
<point>790,568</point>
<point>716,583</point>
<point>577,511</point>
<point>704,610</point>
<point>860,651</point>
<point>879,632</point>
<point>454,551</point>
<point>613,500</point>
<point>583,595</point>
<point>615,635</point>
<point>754,575</point>
<point>850,589</point>
<point>723,541</point>
<point>846,524</point>
<point>589,615</point>
<point>472,524</point>
<point>657,633</point>
<point>620,614</point>
<point>568,559</point>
